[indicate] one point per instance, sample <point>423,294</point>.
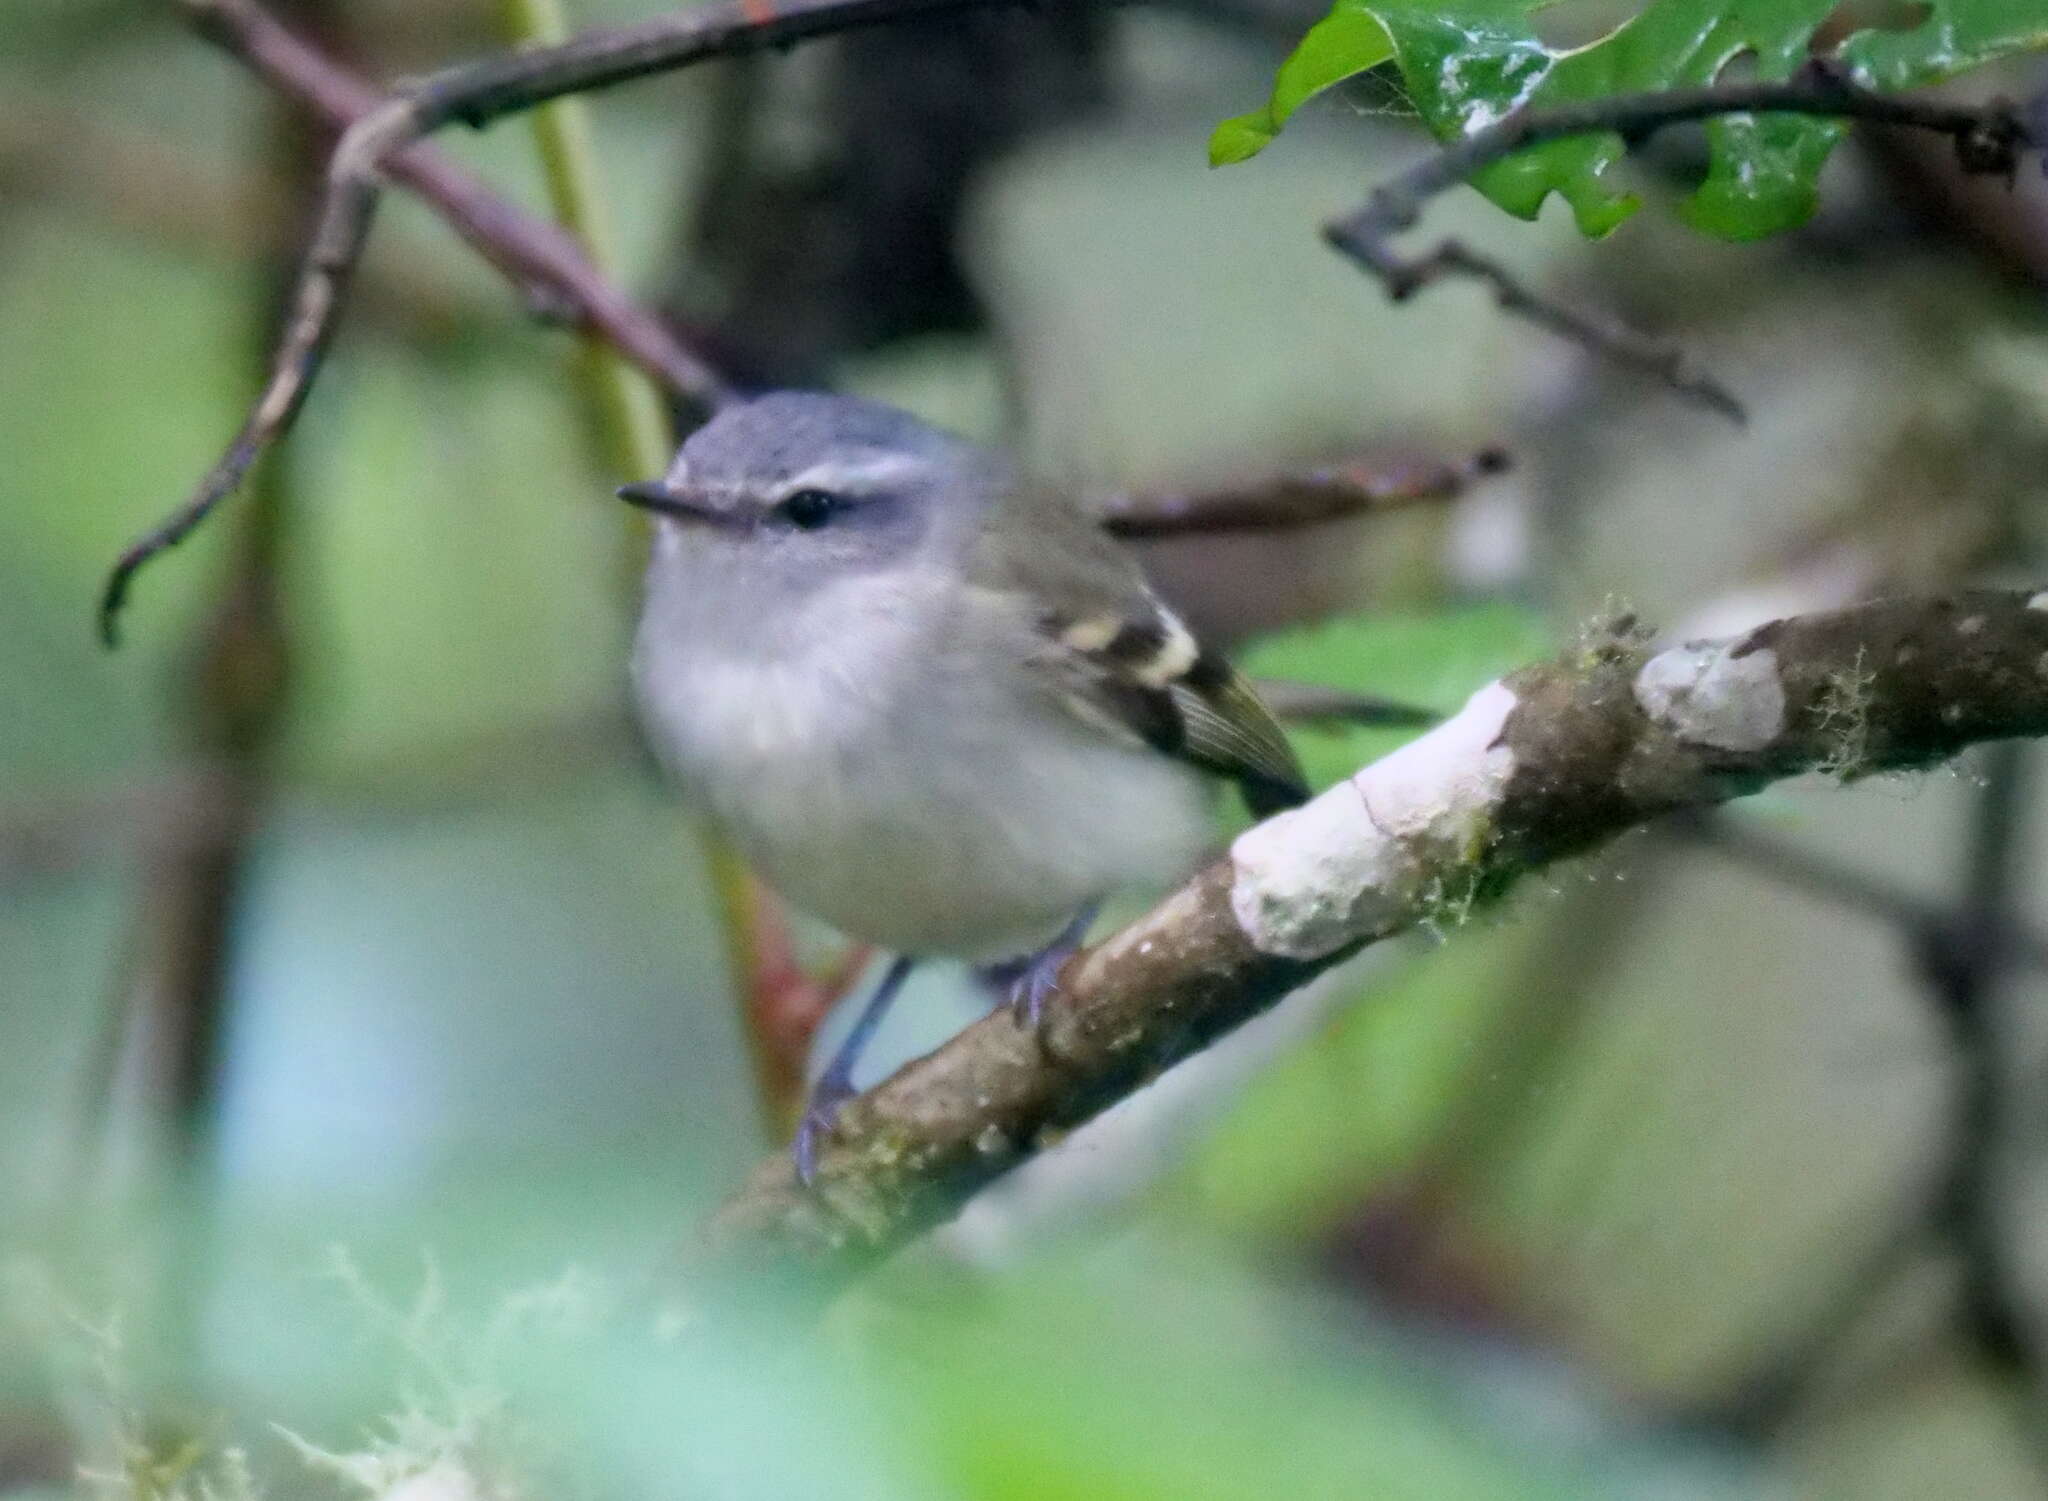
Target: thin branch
<point>1988,139</point>
<point>1319,706</point>
<point>1547,763</point>
<point>1311,497</point>
<point>545,264</point>
<point>1963,959</point>
<point>474,94</point>
<point>1815,874</point>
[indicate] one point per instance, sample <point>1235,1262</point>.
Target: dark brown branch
<point>474,94</point>
<point>1310,497</point>
<point>1962,952</point>
<point>1546,764</point>
<point>232,709</point>
<point>1964,960</point>
<point>1859,890</point>
<point>1988,139</point>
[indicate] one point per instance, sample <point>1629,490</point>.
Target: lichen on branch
<point>1548,762</point>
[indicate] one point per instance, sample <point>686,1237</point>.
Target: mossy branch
<point>1549,762</point>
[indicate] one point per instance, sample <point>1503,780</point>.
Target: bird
<point>928,698</point>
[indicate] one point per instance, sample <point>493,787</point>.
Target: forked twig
<point>474,94</point>
<point>1988,139</point>
<point>544,263</point>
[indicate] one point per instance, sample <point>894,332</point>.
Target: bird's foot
<point>835,1086</point>
<point>1039,978</point>
<point>1027,982</point>
<point>821,1114</point>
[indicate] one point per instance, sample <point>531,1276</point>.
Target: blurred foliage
<point>1142,1373</point>
<point>1354,1109</point>
<point>1146,1375</point>
<point>1467,63</point>
<point>488,1017</point>
<point>1433,661</point>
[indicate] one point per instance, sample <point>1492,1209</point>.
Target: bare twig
<point>1310,497</point>
<point>1988,139</point>
<point>547,265</point>
<point>1545,764</point>
<point>1320,706</point>
<point>1961,951</point>
<point>473,94</point>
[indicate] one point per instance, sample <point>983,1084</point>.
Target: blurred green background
<point>1638,1187</point>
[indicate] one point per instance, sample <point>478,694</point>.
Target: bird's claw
<point>820,1117</point>
<point>1028,981</point>
<point>1040,978</point>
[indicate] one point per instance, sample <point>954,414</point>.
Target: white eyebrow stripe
<point>855,476</point>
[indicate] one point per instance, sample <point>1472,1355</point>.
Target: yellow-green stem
<point>633,435</point>
<point>634,432</point>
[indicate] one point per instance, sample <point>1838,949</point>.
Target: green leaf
<point>1958,35</point>
<point>1354,1108</point>
<point>1345,43</point>
<point>1469,62</point>
<point>1434,661</point>
<point>1151,1373</point>
<point>1469,65</point>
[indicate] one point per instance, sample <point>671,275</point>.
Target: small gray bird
<point>933,704</point>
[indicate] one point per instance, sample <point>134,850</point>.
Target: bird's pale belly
<point>894,840</point>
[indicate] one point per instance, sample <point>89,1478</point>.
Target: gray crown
<point>758,444</point>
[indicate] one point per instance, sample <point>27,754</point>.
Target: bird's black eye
<point>807,510</point>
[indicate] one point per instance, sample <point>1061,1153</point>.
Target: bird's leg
<point>835,1086</point>
<point>1026,982</point>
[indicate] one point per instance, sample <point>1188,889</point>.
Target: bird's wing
<point>1120,660</point>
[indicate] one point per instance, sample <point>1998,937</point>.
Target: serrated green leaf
<point>1958,35</point>
<point>1469,62</point>
<point>1758,176</point>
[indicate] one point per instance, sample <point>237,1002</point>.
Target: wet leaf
<point>1467,64</point>
<point>1348,41</point>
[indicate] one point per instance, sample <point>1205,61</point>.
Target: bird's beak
<point>655,496</point>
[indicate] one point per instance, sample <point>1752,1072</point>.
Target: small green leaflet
<point>1343,44</point>
<point>1469,62</point>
